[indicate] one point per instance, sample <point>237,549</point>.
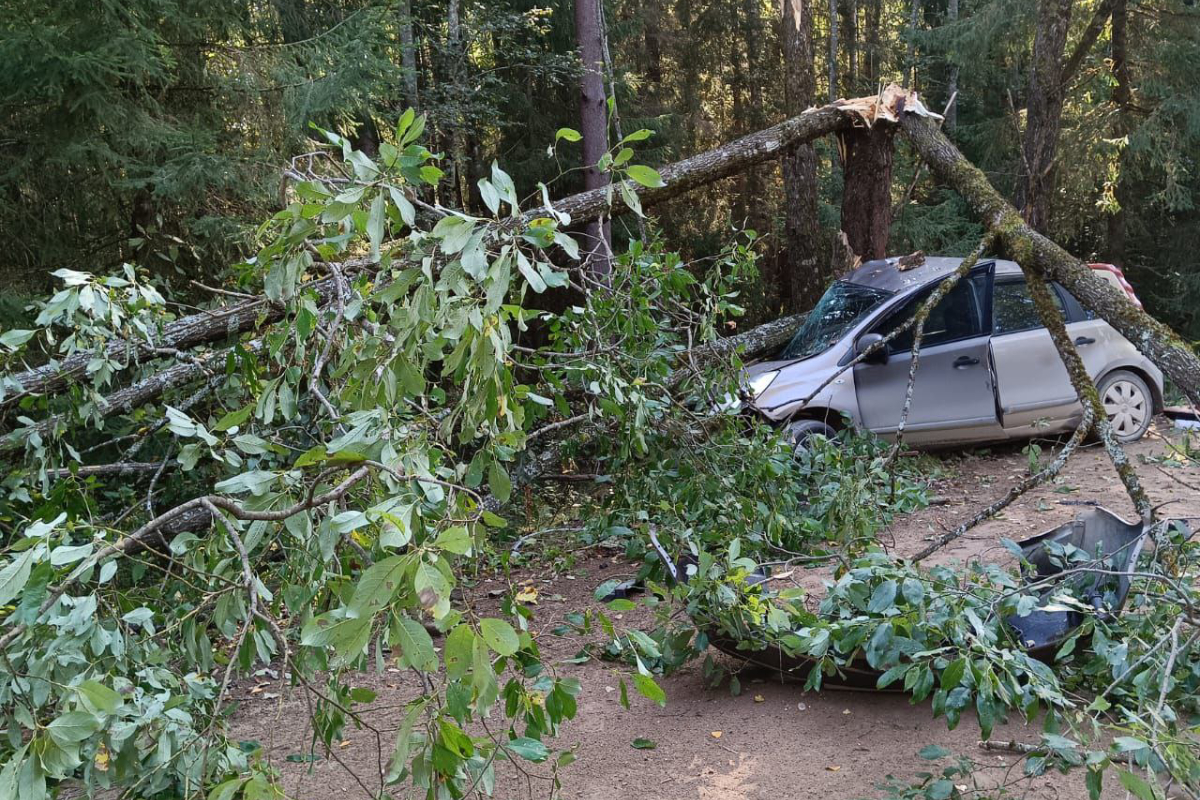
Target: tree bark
<point>1035,181</point>
<point>952,80</point>
<point>1122,96</point>
<point>408,56</point>
<point>849,10</point>
<point>1040,256</point>
<point>910,61</point>
<point>867,189</point>
<point>593,124</point>
<point>833,50</point>
<point>874,14</point>
<point>801,225</point>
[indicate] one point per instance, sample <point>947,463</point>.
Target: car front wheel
<point>1128,403</point>
<point>802,430</point>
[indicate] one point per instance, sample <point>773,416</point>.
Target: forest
<point>380,406</point>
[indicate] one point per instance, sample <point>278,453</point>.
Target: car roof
<point>883,274</point>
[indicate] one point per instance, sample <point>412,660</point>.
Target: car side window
<point>1013,309</point>
<point>957,316</point>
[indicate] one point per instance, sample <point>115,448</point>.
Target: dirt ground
<point>772,740</point>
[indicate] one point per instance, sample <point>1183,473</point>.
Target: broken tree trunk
<point>1039,255</point>
<point>867,196</point>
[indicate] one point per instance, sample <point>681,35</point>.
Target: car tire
<point>1129,404</point>
<point>802,430</point>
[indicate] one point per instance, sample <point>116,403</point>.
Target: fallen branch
<point>1025,748</point>
<point>125,400</point>
<point>919,319</point>
<point>187,332</point>
<point>207,503</point>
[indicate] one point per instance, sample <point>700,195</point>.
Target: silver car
<point>988,369</point>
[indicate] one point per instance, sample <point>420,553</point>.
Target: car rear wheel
<point>1128,403</point>
<point>802,430</point>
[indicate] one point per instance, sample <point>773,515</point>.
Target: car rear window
<point>1013,309</point>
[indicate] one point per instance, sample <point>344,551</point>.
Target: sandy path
<point>775,742</point>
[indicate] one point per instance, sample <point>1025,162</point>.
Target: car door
<point>1033,389</point>
<point>953,397</point>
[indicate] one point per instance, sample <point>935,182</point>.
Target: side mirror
<point>868,341</point>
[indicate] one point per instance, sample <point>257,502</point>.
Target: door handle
<point>962,362</point>
<point>1082,340</point>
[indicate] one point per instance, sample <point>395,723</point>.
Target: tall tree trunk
<point>952,80</point>
<point>1035,183</point>
<point>833,50</point>
<point>849,9</point>
<point>593,124</point>
<point>874,15</point>
<point>753,117</point>
<point>408,55</point>
<point>867,192</point>
<point>910,60</point>
<point>801,226</point>
<point>690,107</point>
<point>1122,96</point>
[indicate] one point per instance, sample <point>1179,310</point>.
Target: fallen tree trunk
<point>1039,255</point>
<point>712,165</point>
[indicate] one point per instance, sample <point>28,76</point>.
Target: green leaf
<point>98,697</point>
<point>645,176</point>
<point>15,575</point>
<point>638,136</point>
<point>455,540</point>
<point>1137,785</point>
<point>570,134</point>
<point>15,338</point>
<point>227,790</point>
<point>375,223</point>
<point>399,759</point>
<point>953,674</point>
<point>940,790</point>
<point>499,482</point>
<point>649,689</point>
<point>460,644</point>
<point>529,749</point>
<point>407,212</point>
<point>73,727</point>
<point>499,636</point>
<point>883,598</point>
<point>347,636</point>
<point>643,744</point>
<point>234,418</point>
<point>416,646</point>
<point>379,584</point>
<point>932,752</point>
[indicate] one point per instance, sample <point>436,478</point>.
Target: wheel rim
<point>1126,406</point>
